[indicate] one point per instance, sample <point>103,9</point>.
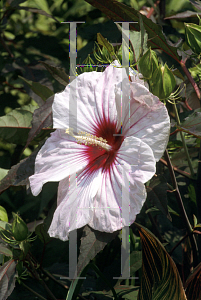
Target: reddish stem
<point>187,105</point>
<point>152,9</point>
<point>190,78</point>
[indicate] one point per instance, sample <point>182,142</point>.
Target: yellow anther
<point>69,131</point>
<point>89,139</point>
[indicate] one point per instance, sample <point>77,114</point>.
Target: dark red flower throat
<point>99,157</point>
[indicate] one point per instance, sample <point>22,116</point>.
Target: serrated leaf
<point>157,195</point>
<point>19,174</point>
<point>160,277</point>
<point>92,242</point>
<point>42,118</point>
<point>193,284</point>
<point>58,73</point>
<point>103,42</point>
<point>5,250</point>
<point>7,279</point>
<point>192,124</point>
<point>14,126</point>
<point>39,89</point>
<point>120,12</point>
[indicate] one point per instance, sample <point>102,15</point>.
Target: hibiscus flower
<point>109,140</point>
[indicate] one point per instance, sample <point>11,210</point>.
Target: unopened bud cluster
<point>193,37</point>
<point>19,228</point>
<point>160,78</point>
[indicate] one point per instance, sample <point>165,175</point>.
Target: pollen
<point>85,138</point>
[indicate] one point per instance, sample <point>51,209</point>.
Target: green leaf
<point>5,251</point>
<point>192,124</point>
<point>76,285</point>
<point>37,11</point>
<point>92,242</point>
<point>157,194</point>
<point>127,292</point>
<point>58,73</point>
<point>193,284</point>
<point>16,2</point>
<point>42,233</point>
<point>103,42</point>
<point>39,89</point>
<point>7,279</point>
<point>19,174</point>
<point>14,126</point>
<point>138,40</point>
<point>42,118</point>
<point>135,261</point>
<point>160,277</point>
<point>3,173</point>
<point>120,12</point>
<point>3,214</point>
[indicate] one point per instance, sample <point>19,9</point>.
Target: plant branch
<point>182,209</point>
<point>152,9</point>
<point>198,187</point>
<point>183,141</point>
<point>32,291</point>
<point>177,244</point>
<point>186,174</point>
<point>155,226</point>
<point>190,78</point>
<point>41,281</point>
<point>6,47</point>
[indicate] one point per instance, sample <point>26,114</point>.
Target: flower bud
<point>193,37</point>
<point>162,82</point>
<point>148,63</point>
<point>19,228</point>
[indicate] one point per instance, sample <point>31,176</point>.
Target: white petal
<point>75,207</point>
<point>105,93</point>
<point>58,158</point>
<point>149,119</point>
<point>107,213</point>
<point>137,198</point>
<point>137,154</point>
<point>82,93</point>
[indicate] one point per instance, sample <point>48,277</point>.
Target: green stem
<point>184,142</point>
<point>32,291</point>
<point>182,209</point>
